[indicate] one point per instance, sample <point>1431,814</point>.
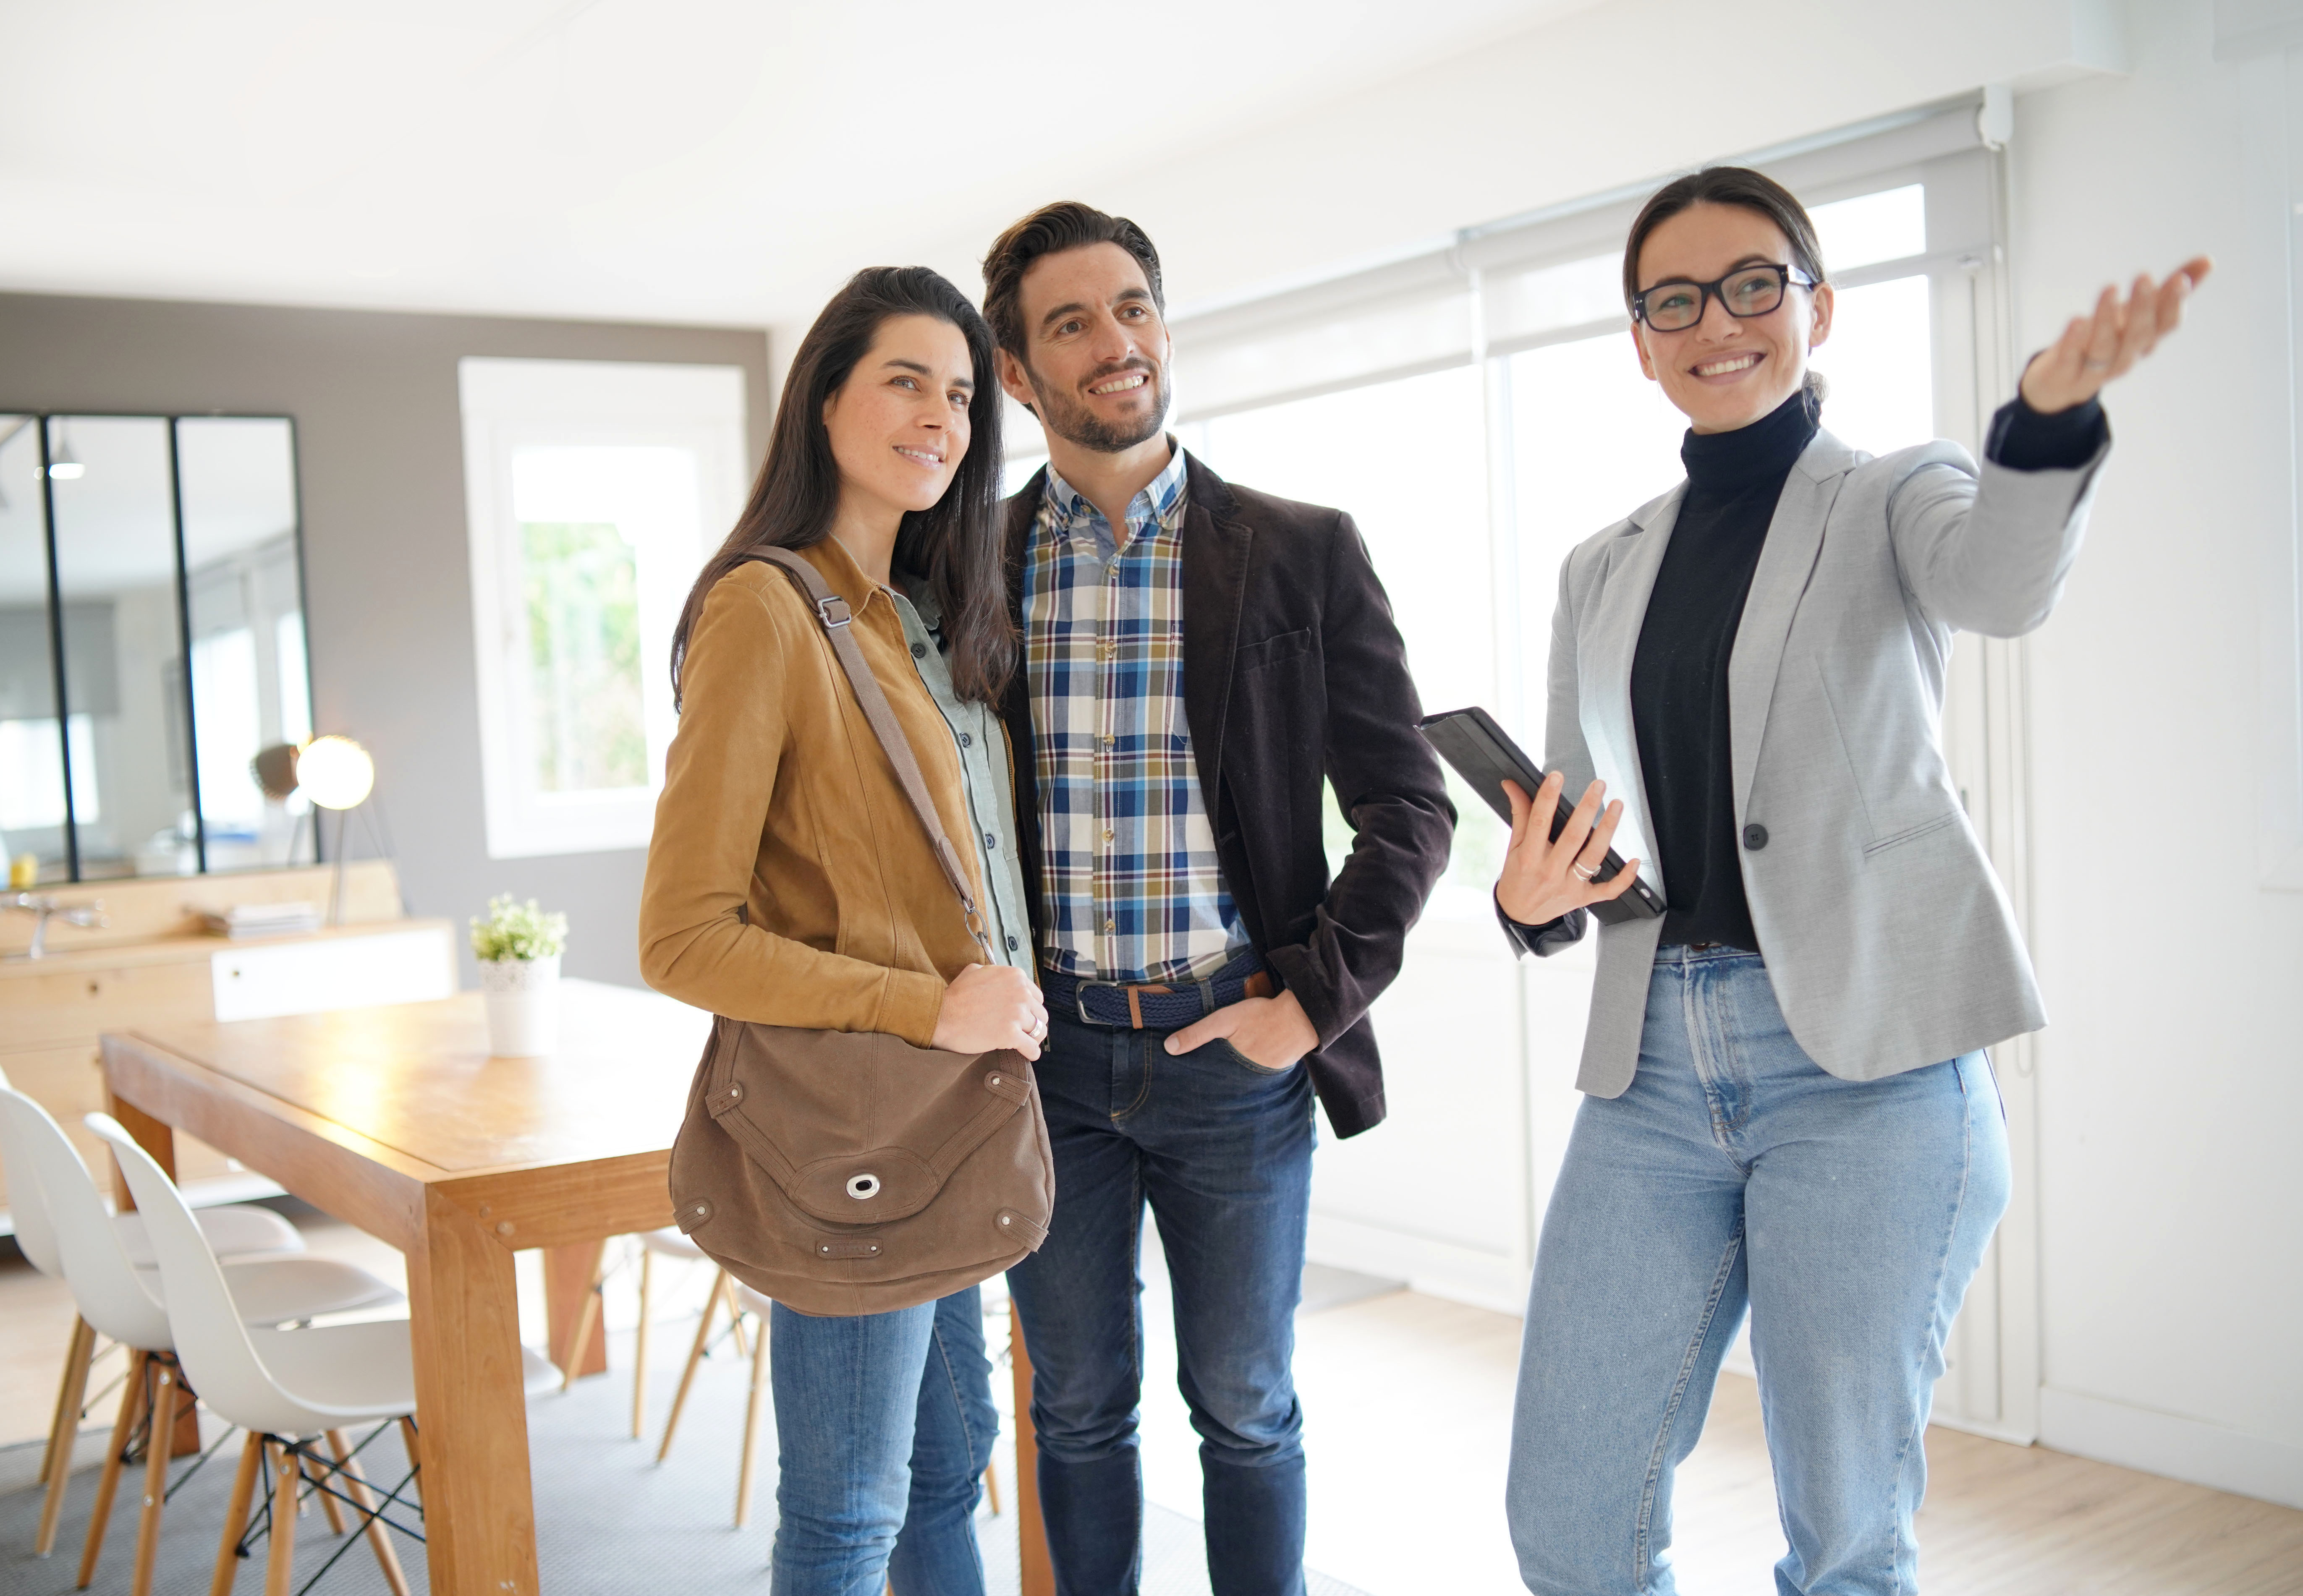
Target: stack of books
<point>262,919</point>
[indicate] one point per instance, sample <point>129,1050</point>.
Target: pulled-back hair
<point>1724,185</point>
<point>1753,191</point>
<point>1067,225</point>
<point>955,544</point>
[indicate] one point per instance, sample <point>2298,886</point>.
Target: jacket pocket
<point>1911,833</point>
<point>1271,651</point>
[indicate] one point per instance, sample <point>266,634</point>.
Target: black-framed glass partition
<point>151,642</point>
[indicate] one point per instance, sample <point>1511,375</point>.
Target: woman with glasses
<point>1788,1108</point>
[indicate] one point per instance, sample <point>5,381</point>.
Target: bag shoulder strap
<point>833,611</point>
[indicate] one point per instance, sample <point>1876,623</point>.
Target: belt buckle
<point>1079,1000</point>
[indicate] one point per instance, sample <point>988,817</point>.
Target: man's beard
<point>1072,421</point>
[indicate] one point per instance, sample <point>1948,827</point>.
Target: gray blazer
<point>1888,939</point>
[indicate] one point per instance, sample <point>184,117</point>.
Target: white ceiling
<point>681,160</point>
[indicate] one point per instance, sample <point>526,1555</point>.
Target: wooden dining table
<point>399,1120</point>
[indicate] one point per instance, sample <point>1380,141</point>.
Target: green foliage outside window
<point>584,656</point>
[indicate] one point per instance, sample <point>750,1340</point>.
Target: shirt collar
<point>1160,502</point>
<point>841,574</point>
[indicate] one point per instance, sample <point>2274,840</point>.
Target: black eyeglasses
<point>1743,293</point>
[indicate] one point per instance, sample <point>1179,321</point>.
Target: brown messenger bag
<point>846,1172</point>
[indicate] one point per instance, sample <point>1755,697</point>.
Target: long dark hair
<point>956,545</point>
<point>1737,186</point>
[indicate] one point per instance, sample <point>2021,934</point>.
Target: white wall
<point>2170,1191</point>
<point>2172,1077</point>
<point>1609,94</point>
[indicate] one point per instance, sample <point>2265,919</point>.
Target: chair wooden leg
<point>379,1537</point>
<point>317,1472</point>
<point>280,1565</point>
<point>639,1347</point>
<point>71,1390</point>
<point>751,1429</point>
<point>992,1486</point>
<point>235,1516</point>
<point>696,1355</point>
<point>55,1467</point>
<point>736,1327</point>
<point>132,1409</point>
<point>579,1341</point>
<point>166,1384</point>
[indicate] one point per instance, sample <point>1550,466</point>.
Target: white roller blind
<point>1554,274</point>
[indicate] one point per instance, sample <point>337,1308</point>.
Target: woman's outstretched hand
<point>991,1006</point>
<point>2097,347</point>
<point>1544,879</point>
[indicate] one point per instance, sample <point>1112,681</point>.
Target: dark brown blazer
<point>1293,670</point>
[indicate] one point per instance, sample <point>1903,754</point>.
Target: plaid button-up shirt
<point>1130,890</point>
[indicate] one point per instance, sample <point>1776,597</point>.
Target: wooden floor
<point>1408,1409</point>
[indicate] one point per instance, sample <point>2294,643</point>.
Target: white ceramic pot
<point>523,1005</point>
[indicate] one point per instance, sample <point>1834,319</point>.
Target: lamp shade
<point>334,772</point>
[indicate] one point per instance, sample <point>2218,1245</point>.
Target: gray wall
<point>380,447</point>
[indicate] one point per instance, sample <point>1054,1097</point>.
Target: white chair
<point>286,1388</point>
<point>238,1230</point>
<point>119,1300</point>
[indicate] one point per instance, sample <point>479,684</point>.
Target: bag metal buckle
<point>833,612</point>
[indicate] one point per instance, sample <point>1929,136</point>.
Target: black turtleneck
<point>1679,675</point>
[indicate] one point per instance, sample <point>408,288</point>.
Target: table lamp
<point>335,773</point>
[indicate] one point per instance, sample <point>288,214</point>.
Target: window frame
<point>509,405</point>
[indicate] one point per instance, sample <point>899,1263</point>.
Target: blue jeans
<point>883,1425</point>
<point>1849,1216</point>
<point>1222,1151</point>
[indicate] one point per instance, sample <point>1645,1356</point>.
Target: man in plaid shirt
<point>1198,659</point>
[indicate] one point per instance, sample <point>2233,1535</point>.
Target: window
<point>595,490</point>
<point>32,773</point>
<point>1420,501</point>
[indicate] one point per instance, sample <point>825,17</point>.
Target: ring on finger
<point>1581,871</point>
<point>2096,365</point>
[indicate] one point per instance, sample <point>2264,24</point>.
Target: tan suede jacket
<point>788,881</point>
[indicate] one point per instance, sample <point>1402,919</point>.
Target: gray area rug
<point>610,1522</point>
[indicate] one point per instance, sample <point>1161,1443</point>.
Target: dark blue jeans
<point>883,1424</point>
<point>1222,1151</point>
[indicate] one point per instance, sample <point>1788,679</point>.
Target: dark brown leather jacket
<point>1293,671</point>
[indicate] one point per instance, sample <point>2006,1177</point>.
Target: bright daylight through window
<point>593,491</point>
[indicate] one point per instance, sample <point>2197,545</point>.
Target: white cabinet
<point>408,963</point>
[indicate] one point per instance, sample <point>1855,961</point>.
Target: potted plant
<point>518,948</point>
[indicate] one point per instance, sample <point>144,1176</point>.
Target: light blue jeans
<point>1848,1216</point>
<point>884,1423</point>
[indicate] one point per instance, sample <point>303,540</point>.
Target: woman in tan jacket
<point>790,883</point>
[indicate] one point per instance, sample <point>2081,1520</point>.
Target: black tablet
<point>1485,756</point>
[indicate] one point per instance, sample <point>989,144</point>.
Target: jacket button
<point>965,741</point>
<point>1013,945</point>
<point>1755,837</point>
<point>919,651</point>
